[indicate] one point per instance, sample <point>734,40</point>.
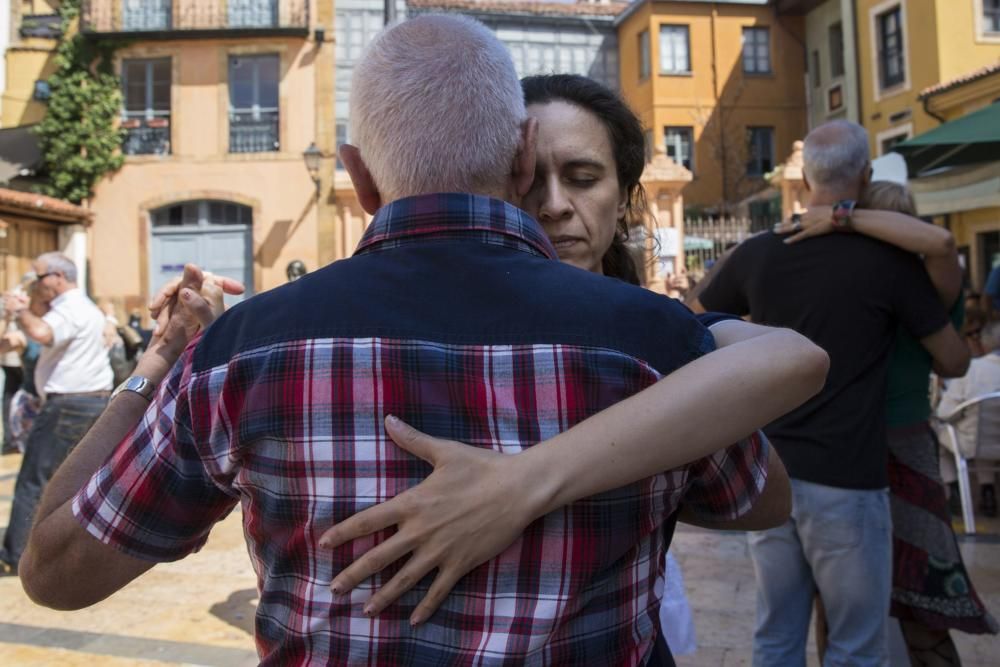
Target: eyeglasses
<point>42,276</point>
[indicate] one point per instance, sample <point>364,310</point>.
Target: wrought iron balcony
<point>179,19</point>
<point>146,135</point>
<point>253,131</point>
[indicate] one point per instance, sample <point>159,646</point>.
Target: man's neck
<point>830,197</point>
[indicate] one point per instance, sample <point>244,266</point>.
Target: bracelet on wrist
<point>841,217</point>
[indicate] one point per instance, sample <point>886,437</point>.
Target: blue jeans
<point>838,541</point>
<point>59,426</point>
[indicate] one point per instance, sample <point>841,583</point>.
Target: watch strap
<point>138,385</point>
<point>842,212</point>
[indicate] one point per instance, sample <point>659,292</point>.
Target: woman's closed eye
<point>582,180</point>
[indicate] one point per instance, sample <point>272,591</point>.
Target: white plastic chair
<point>987,447</point>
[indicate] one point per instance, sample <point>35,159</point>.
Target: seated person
<point>983,377</point>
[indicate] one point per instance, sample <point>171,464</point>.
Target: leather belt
<point>97,394</point>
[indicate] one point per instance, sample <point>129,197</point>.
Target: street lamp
<point>313,156</point>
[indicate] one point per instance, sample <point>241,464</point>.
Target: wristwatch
<point>138,384</point>
<point>842,212</point>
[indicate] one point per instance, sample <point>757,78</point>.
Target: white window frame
<point>982,37</point>
<point>873,30</point>
<point>690,135</point>
<point>687,34</point>
<point>893,132</point>
<point>756,30</point>
<point>773,149</point>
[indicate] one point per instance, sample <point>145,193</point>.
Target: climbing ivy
<point>79,136</point>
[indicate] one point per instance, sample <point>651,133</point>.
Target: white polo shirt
<point>77,360</point>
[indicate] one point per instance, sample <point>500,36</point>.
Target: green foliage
<point>79,139</point>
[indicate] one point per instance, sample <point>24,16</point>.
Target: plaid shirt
<point>455,316</point>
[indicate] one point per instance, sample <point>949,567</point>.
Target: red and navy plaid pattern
<point>291,430</point>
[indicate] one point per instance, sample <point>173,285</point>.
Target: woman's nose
<point>555,205</point>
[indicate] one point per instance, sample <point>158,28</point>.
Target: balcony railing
<point>146,135</point>
<point>253,131</point>
<point>172,19</point>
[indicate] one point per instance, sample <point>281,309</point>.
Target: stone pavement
<point>200,611</point>
<point>718,576</point>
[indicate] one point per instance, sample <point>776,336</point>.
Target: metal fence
<point>154,16</point>
<point>146,134</point>
<point>706,239</point>
<point>253,132</point>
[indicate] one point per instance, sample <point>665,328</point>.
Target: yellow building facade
<point>719,86</point>
<point>29,61</point>
<point>966,199</point>
<point>906,46</point>
<point>221,102</point>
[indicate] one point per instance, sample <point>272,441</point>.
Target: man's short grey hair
<point>436,106</point>
<point>835,154</point>
<point>56,261</point>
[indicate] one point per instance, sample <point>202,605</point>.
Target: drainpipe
<point>927,110</point>
<point>721,112</point>
<point>857,60</point>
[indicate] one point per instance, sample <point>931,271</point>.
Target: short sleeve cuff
<point>726,485</point>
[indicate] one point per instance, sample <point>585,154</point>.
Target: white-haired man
<point>73,377</point>
<point>453,314</point>
<point>848,293</point>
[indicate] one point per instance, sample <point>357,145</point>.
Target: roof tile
<point>29,201</point>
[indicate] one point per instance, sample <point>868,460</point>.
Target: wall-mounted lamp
<point>319,34</point>
<point>313,156</point>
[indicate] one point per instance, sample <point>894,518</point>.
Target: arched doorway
<point>214,234</point>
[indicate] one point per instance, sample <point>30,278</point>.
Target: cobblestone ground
<point>200,611</point>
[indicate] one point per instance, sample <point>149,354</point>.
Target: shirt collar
<point>455,215</point>
<point>65,296</point>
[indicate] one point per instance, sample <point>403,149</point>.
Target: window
<point>836,36</point>
<point>890,48</point>
<point>760,150</point>
<point>148,15</point>
<point>253,104</point>
<point>146,116</point>
<point>252,13</point>
<point>886,141</point>
<point>757,50</point>
<point>643,55</point>
<point>675,49</point>
<point>835,98</point>
<point>42,91</point>
<point>816,78</point>
<point>341,140</point>
<point>991,15</point>
<point>647,145</point>
<point>678,142</point>
<point>202,213</point>
<point>890,143</point>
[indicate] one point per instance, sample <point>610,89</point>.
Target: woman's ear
<point>523,169</point>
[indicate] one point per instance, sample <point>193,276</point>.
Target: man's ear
<point>368,195</point>
<point>523,170</point>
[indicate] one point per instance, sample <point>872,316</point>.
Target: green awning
<point>966,140</point>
